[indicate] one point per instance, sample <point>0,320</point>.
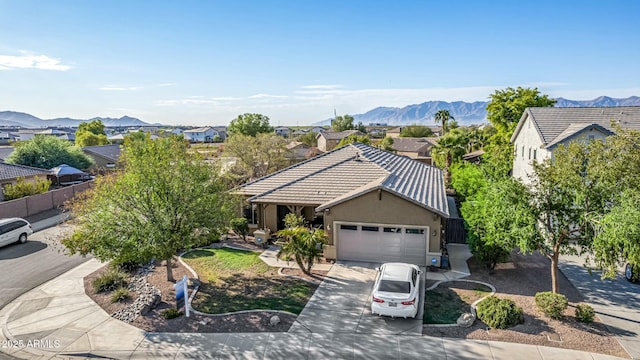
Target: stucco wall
<point>384,208</point>
<point>34,204</point>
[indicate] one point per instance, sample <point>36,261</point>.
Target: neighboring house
<point>177,131</point>
<point>395,132</point>
<point>204,134</point>
<point>116,138</point>
<point>473,157</point>
<point>26,134</point>
<point>374,205</point>
<point>104,156</point>
<point>317,129</point>
<point>6,138</point>
<point>149,129</point>
<point>541,129</point>
<point>5,152</point>
<point>299,132</point>
<point>328,140</point>
<point>71,137</point>
<point>377,133</point>
<point>282,131</point>
<point>297,150</point>
<point>415,148</point>
<point>9,174</point>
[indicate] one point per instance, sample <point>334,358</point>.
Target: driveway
<point>341,304</point>
<point>615,301</point>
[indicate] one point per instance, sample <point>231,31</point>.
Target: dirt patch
<point>451,299</point>
<point>153,321</point>
<point>519,280</point>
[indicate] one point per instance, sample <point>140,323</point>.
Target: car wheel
<point>628,272</point>
<point>22,239</point>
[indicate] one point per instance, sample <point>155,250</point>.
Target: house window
<point>415,231</point>
<point>251,214</point>
<point>370,228</point>
<point>523,151</point>
<point>392,230</point>
<point>348,227</point>
<point>529,153</point>
<point>534,153</point>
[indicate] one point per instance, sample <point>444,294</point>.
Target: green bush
<point>553,305</point>
<point>585,313</point>
<point>111,280</point>
<point>24,188</point>
<point>120,294</point>
<point>499,313</point>
<point>171,313</point>
<point>240,226</point>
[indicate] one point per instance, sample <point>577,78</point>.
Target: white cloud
<point>267,96</point>
<point>41,62</point>
<point>321,87</point>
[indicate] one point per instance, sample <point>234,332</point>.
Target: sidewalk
<point>57,320</point>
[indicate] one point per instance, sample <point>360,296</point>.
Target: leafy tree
<point>342,123</point>
<point>416,131</point>
<point>166,200</point>
<point>304,244</point>
<point>507,106</point>
<point>354,138</point>
<point>259,156</point>
<point>360,127</point>
<point>467,180</point>
<point>447,150</point>
<point>386,144</point>
<point>47,152</point>
<point>86,138</point>
<point>24,188</point>
<point>442,116</point>
<point>95,127</point>
<point>309,139</point>
<point>240,226</point>
<point>249,125</point>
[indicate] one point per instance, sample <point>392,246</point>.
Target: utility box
<point>261,237</point>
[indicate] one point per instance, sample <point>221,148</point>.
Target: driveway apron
<point>341,304</point>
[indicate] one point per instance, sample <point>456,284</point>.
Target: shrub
<point>111,280</point>
<point>552,304</point>
<point>120,294</point>
<point>24,188</point>
<point>240,227</point>
<point>171,313</point>
<point>585,313</point>
<point>499,313</point>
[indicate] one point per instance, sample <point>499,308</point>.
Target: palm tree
<point>448,149</point>
<point>443,116</point>
<point>304,244</point>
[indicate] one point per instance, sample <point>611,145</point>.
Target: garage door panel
<point>386,245</point>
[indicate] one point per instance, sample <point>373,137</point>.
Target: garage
<point>382,243</point>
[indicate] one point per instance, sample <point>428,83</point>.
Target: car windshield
<point>395,286</point>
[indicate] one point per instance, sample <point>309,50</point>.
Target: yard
<point>446,302</point>
<point>235,280</point>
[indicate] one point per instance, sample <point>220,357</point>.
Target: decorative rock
<point>148,296</point>
<point>275,320</point>
<point>466,320</point>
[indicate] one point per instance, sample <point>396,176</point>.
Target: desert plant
<point>499,313</point>
<point>552,304</point>
<point>171,313</point>
<point>585,313</point>
<point>111,280</point>
<point>240,226</point>
<point>120,294</point>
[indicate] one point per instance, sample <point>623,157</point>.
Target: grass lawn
<point>449,300</point>
<point>235,280</point>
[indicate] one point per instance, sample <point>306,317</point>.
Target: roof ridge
<point>23,166</point>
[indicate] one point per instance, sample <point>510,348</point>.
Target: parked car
<point>632,273</point>
<point>14,230</point>
<point>396,290</point>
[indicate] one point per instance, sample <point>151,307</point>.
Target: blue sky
<point>205,62</point>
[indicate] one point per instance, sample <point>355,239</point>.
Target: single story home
<point>282,131</point>
<point>374,205</point>
<point>204,134</point>
<point>328,140</point>
<point>104,156</point>
<point>297,150</point>
<point>415,148</point>
<point>9,174</point>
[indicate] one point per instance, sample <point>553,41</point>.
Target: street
<point>25,266</point>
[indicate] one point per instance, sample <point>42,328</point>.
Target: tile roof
<point>552,122</point>
<point>574,129</point>
<point>5,151</point>
<point>347,172</point>
<point>109,152</point>
<point>12,171</point>
<point>199,130</point>
<point>331,135</point>
<point>411,144</point>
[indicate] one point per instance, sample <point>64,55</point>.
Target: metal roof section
<point>13,171</point>
<point>551,122</point>
<point>347,172</point>
<point>575,129</point>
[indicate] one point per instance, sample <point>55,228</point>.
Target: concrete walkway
<point>57,320</point>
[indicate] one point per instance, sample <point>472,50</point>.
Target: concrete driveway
<point>615,301</point>
<point>341,304</point>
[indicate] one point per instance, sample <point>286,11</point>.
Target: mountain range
<point>465,113</point>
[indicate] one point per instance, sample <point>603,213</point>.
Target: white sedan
<point>396,290</point>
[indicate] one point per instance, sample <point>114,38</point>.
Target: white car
<point>14,230</point>
<point>396,290</point>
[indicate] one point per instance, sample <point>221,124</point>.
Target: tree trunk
<point>170,271</point>
<point>554,270</point>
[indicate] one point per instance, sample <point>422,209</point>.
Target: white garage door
<point>382,243</point>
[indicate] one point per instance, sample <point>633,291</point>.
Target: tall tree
<point>91,134</point>
<point>165,201</point>
<point>386,144</point>
<point>342,123</point>
<point>249,125</point>
<point>443,116</point>
<point>354,138</point>
<point>259,156</point>
<point>46,152</point>
<point>448,150</point>
<point>507,106</point>
<point>416,131</point>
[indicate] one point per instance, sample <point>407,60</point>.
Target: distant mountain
<point>12,118</point>
<point>465,113</point>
